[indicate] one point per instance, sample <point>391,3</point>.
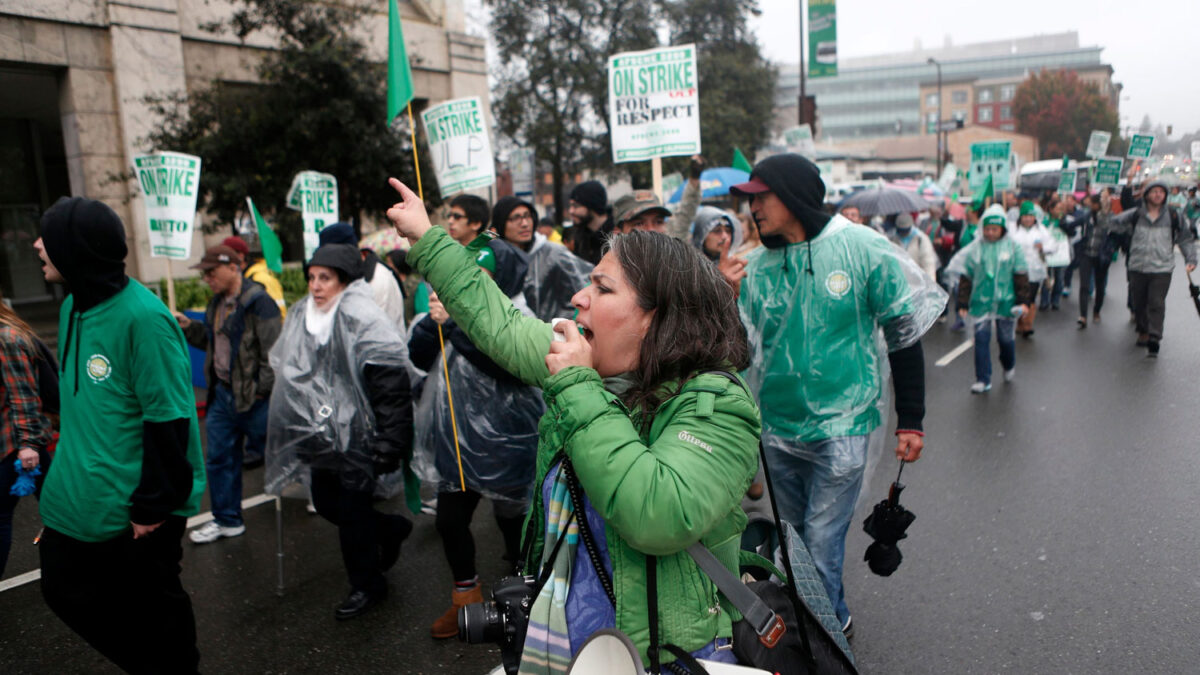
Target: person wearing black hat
<point>384,287</point>
<point>342,411</point>
<point>554,275</point>
<point>588,209</point>
<point>128,469</point>
<point>813,299</point>
<point>240,326</point>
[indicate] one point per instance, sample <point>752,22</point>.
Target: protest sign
<point>992,158</point>
<point>169,182</point>
<point>521,168</point>
<point>1141,146</point>
<point>1108,171</point>
<point>654,104</point>
<point>799,139</point>
<point>1195,151</point>
<point>822,38</point>
<point>1066,182</point>
<point>462,150</point>
<point>1098,144</point>
<point>315,196</point>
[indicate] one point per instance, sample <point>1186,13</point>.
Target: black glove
<point>696,167</point>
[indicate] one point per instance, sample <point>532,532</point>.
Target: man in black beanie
<point>588,209</point>
<point>813,299</point>
<point>128,470</point>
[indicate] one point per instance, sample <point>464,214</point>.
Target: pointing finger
<point>405,193</point>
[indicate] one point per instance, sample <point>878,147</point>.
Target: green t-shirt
<point>123,362</point>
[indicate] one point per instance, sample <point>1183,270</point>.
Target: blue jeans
<point>816,485</point>
<point>1005,336</point>
<point>226,430</point>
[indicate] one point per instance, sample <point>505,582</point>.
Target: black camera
<point>502,621</point>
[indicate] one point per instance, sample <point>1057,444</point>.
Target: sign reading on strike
<point>315,196</point>
<point>1108,171</point>
<point>1098,144</point>
<point>654,104</point>
<point>994,158</point>
<point>169,182</point>
<point>458,139</point>
<point>1066,182</point>
<point>1141,146</point>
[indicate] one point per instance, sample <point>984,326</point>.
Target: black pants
<point>8,501</point>
<point>123,596</point>
<point>1148,295</point>
<point>1092,267</point>
<point>454,512</point>
<point>362,531</point>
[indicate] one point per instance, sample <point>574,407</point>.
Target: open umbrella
<point>714,183</point>
<point>884,202</point>
<point>383,241</point>
<point>886,525</point>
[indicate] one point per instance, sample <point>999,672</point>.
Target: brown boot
<point>446,625</point>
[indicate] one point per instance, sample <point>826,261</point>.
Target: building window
<point>1005,113</point>
<point>931,121</point>
<point>1007,92</point>
<point>984,96</point>
<point>958,96</point>
<point>984,113</point>
<point>930,100</point>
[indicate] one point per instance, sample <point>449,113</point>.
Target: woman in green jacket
<point>663,447</point>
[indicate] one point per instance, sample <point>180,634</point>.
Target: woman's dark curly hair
<point>695,327</point>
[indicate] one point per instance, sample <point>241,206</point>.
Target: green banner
<point>991,158</point>
<point>1141,146</point>
<point>1108,171</point>
<point>822,38</point>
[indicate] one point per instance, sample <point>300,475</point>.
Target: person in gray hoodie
<point>1150,233</point>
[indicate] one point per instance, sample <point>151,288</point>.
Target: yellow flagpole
<point>412,130</point>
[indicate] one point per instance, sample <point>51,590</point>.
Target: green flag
<point>272,250</point>
<point>987,191</point>
<point>400,85</point>
<point>740,161</point>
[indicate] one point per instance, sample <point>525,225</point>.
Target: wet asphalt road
<point>1055,533</point>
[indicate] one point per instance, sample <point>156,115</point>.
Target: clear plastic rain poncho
<point>821,317</point>
<point>497,422</point>
<point>320,415</point>
<point>555,275</point>
<point>708,217</point>
<point>990,266</point>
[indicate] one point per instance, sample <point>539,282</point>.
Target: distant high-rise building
<point>896,94</point>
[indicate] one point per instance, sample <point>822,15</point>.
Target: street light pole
<point>938,127</point>
<point>802,73</point>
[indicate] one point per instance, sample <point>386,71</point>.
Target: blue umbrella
<point>714,183</point>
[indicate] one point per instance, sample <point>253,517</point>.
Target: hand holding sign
<point>408,215</point>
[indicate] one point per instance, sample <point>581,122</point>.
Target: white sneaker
<point>1010,374</point>
<point>212,531</point>
<point>980,387</point>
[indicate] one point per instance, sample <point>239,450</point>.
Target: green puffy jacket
<point>658,489</point>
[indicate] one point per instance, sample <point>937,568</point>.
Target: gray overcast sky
<point>1150,44</point>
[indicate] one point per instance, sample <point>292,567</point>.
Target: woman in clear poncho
<point>495,418</point>
<point>341,410</point>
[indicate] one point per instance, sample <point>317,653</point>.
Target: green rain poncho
<point>990,266</point>
<point>812,311</point>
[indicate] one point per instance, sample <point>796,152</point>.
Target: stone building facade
<point>74,73</point>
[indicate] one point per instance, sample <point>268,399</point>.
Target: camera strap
<point>585,530</point>
<point>548,564</point>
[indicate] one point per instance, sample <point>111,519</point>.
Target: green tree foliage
<point>737,85</point>
<point>319,104</point>
<point>1061,111</point>
<point>551,88</point>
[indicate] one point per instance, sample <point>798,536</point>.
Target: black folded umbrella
<point>1195,291</point>
<point>886,525</point>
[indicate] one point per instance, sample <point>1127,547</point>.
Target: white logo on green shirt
<point>837,283</point>
<point>98,367</point>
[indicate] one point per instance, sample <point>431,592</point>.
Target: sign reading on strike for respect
<point>315,196</point>
<point>991,157</point>
<point>654,104</point>
<point>1098,144</point>
<point>458,140</point>
<point>1108,171</point>
<point>169,182</point>
<point>1141,146</point>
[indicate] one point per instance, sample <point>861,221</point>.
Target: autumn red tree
<point>1061,111</point>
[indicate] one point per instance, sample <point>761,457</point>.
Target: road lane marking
<point>955,353</point>
<point>200,519</point>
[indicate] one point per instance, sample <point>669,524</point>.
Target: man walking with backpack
<point>1151,231</point>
